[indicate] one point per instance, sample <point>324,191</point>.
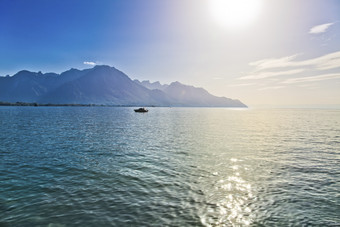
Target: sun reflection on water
<point>229,201</point>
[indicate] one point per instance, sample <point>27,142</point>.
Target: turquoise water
<point>101,166</point>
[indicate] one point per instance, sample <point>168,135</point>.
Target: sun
<point>235,13</point>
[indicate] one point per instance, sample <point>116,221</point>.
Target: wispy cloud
<point>89,63</point>
<point>262,75</point>
<point>325,62</point>
<point>270,88</point>
<point>287,70</point>
<point>320,28</point>
<point>312,78</point>
<point>241,85</point>
<point>273,62</point>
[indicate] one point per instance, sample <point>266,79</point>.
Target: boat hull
<point>141,110</point>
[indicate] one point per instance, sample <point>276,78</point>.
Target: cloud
<point>89,63</point>
<point>320,28</point>
<point>262,75</point>
<point>273,62</point>
<point>287,70</point>
<point>281,72</point>
<point>270,88</point>
<point>325,62</point>
<point>241,85</point>
<point>312,78</point>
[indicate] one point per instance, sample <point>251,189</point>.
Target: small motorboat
<point>141,110</point>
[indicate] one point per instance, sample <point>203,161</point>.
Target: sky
<point>266,53</point>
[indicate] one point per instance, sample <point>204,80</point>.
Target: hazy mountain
<point>26,86</point>
<point>152,86</point>
<point>103,85</point>
<point>184,95</point>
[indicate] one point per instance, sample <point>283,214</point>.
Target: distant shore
<point>52,104</point>
<point>89,105</point>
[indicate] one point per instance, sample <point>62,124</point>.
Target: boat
<point>141,110</point>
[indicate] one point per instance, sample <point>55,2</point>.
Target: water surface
<point>101,166</point>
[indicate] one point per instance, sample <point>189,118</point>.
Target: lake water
<point>102,166</point>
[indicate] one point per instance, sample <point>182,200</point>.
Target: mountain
<point>103,85</point>
<point>26,86</point>
<point>152,86</point>
<point>185,95</point>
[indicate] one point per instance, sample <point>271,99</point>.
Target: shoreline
<point>101,105</point>
<point>54,104</point>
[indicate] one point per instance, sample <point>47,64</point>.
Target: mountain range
<point>103,85</point>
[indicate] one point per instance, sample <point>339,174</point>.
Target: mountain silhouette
<point>103,85</point>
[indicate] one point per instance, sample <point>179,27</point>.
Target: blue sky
<point>287,54</point>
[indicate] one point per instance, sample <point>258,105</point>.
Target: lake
<point>107,166</point>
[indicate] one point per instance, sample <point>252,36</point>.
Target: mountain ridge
<point>103,85</point>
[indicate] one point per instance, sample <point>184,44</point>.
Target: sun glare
<point>235,13</point>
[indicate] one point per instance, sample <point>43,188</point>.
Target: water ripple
<point>171,167</point>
